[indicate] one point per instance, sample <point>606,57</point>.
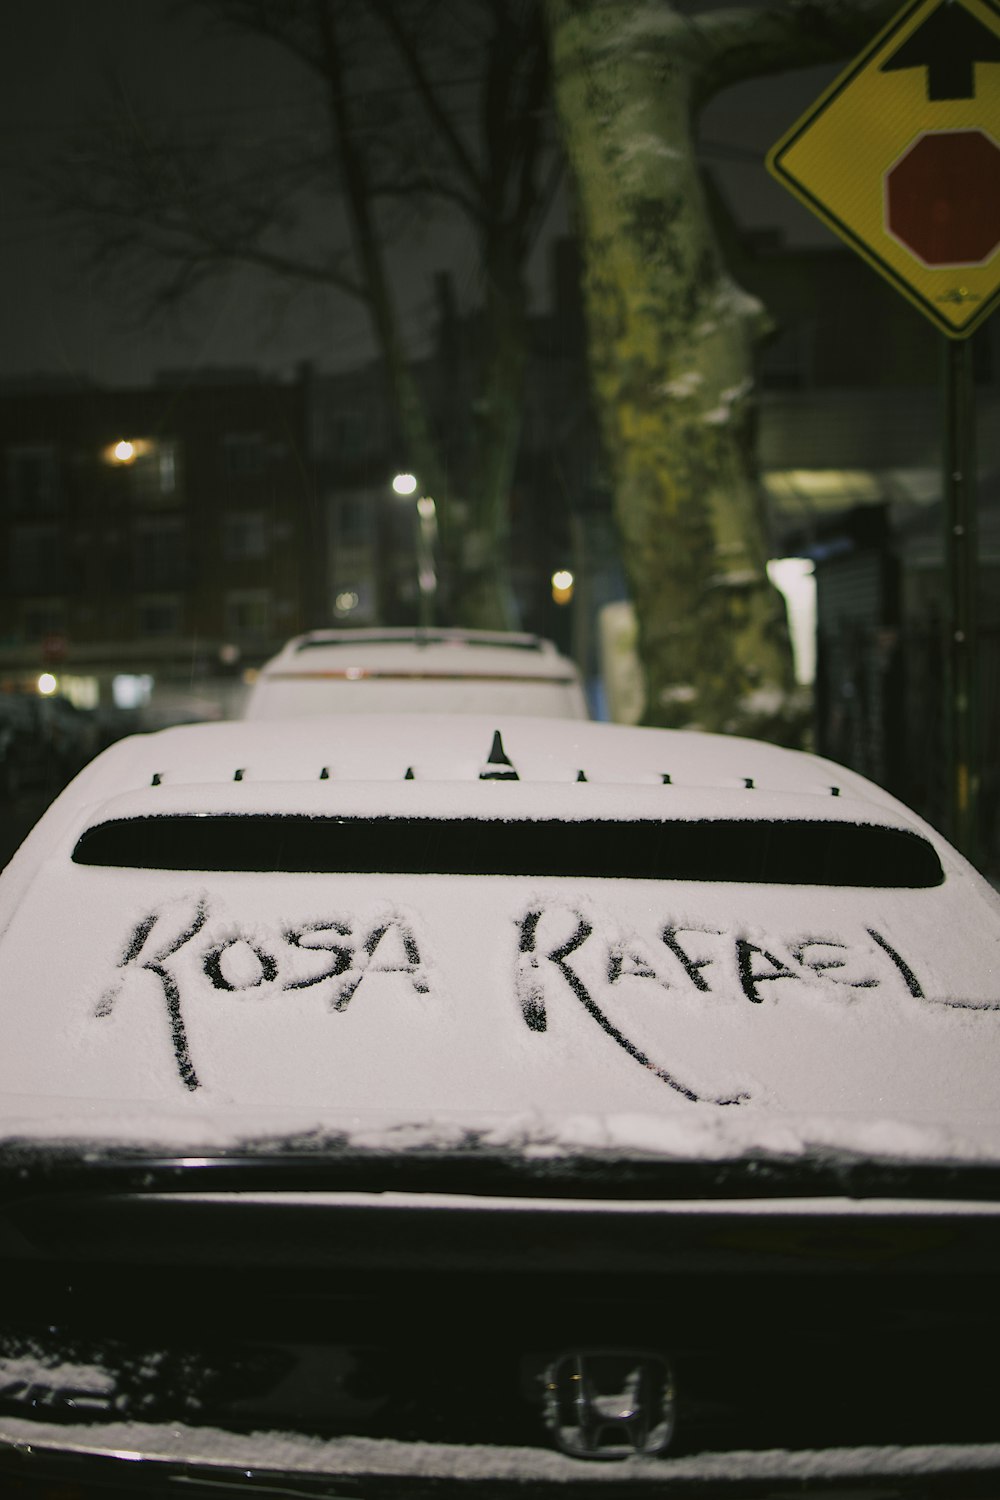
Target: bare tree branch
<point>735,45</point>
<point>429,97</point>
<point>420,104</point>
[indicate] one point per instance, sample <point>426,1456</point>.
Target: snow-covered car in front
<point>425,670</point>
<point>398,1104</point>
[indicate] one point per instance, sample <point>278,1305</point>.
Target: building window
<point>158,554</point>
<point>355,515</point>
<point>32,479</point>
<point>243,456</point>
<point>43,618</point>
<point>349,433</point>
<point>36,558</point>
<point>245,536</point>
<point>158,615</point>
<point>167,466</point>
<point>83,692</point>
<point>131,689</point>
<point>248,613</point>
<point>151,467</point>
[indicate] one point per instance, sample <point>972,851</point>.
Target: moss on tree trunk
<point>671,355</point>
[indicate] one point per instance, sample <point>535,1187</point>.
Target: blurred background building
<point>159,543</point>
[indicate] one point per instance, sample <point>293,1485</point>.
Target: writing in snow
<point>559,957</point>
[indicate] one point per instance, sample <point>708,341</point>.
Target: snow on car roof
<point>551,935</point>
<point>419,653</point>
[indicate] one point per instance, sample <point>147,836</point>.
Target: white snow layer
<point>614,1016</point>
<point>527,1014</point>
<point>280,1451</point>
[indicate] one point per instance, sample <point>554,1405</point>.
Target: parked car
<point>66,737</point>
<point>17,745</point>
<point>44,741</point>
<point>431,1104</point>
<point>424,670</point>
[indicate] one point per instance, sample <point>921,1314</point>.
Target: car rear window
<point>780,852</point>
<point>420,643</point>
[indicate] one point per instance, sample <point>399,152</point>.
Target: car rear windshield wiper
<point>745,851</point>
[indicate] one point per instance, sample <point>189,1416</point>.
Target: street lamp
<point>125,451</point>
<point>406,485</point>
<point>562,585</point>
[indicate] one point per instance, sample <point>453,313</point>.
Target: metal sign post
<point>962,574</point>
<point>901,158</point>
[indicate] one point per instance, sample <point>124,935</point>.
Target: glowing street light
<point>126,450</point>
<point>562,585</point>
<point>406,485</point>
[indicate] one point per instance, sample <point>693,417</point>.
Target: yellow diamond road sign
<point>901,156</point>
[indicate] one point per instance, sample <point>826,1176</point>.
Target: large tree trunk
<point>671,353</point>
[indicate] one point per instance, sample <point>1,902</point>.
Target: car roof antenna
<point>498,767</point>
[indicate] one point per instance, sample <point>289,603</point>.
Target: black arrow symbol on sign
<point>948,45</point>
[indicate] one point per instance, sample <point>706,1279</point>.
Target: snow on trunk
<point>671,351</point>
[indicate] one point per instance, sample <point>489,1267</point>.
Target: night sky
<point>58,59</point>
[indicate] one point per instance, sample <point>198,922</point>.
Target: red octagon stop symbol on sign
<point>942,198</point>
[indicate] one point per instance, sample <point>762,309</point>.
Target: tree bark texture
<point>671,352</point>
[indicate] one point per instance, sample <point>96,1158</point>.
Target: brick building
<point>162,535</point>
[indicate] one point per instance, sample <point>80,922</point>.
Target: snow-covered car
<point>418,671</point>
<point>400,1105</point>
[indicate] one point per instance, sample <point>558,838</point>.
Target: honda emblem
<point>610,1403</point>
